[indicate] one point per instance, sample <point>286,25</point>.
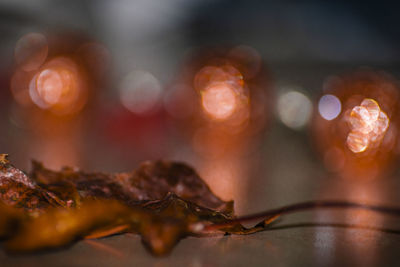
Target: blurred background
<point>236,89</point>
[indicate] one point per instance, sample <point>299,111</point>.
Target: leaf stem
<point>310,205</point>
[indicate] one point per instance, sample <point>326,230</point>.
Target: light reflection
<point>368,125</point>
<point>364,242</point>
<point>140,92</point>
<point>329,107</point>
<point>294,109</point>
<point>324,240</point>
<point>360,228</point>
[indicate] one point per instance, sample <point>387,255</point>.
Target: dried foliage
<point>161,201</point>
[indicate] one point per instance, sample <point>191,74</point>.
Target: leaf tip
<point>4,159</point>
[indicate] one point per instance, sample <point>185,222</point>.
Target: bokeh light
<point>56,82</point>
<point>357,141</point>
<point>294,109</point>
<point>59,87</point>
<point>356,126</point>
<point>53,78</point>
<point>223,94</point>
<point>140,92</point>
<point>49,86</point>
<point>329,107</point>
<point>219,101</point>
<point>368,125</point>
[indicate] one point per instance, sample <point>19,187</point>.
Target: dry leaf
<point>162,201</point>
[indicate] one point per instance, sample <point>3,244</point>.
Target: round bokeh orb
<point>355,125</point>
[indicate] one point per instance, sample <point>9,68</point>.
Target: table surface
<point>302,245</point>
<point>312,238</point>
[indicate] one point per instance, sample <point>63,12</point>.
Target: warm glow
<point>225,74</point>
<point>219,101</point>
<point>49,86</point>
<point>368,125</point>
<point>57,87</point>
<point>222,104</point>
<point>357,141</point>
<point>223,93</point>
<point>356,127</point>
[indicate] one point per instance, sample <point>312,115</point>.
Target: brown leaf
<point>162,201</point>
<point>18,190</point>
<point>151,181</point>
